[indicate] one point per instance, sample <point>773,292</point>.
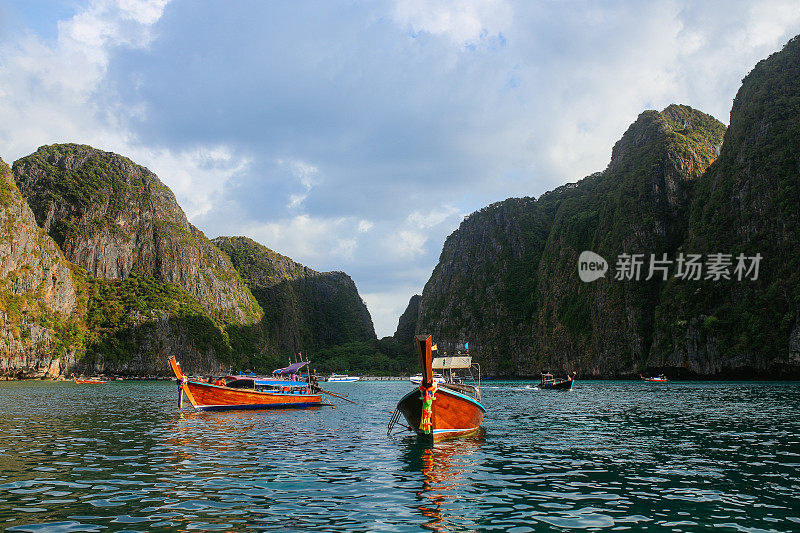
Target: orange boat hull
<point>207,397</point>
<point>454,414</point>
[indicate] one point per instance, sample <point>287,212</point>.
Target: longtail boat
<point>550,383</point>
<point>284,389</point>
<point>439,411</point>
<point>90,381</point>
<point>661,378</point>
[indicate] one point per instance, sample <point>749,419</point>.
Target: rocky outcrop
<point>113,218</point>
<point>39,312</point>
<point>407,325</point>
<point>747,203</point>
<point>638,205</point>
<point>303,309</point>
<point>507,278</point>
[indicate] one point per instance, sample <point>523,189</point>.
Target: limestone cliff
<point>40,316</point>
<point>147,284</point>
<point>303,309</point>
<point>114,217</point>
<point>507,278</point>
<point>747,203</point>
<point>407,324</point>
<point>507,282</point>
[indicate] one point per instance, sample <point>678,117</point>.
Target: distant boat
<point>548,382</point>
<point>661,378</point>
<point>342,378</point>
<point>417,379</point>
<point>441,411</point>
<point>282,390</point>
<point>90,381</point>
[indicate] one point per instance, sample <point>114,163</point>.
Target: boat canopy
<point>276,383</point>
<point>267,382</point>
<point>448,363</point>
<point>291,369</point>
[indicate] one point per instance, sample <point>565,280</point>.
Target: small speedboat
<point>661,378</point>
<point>550,383</point>
<point>417,379</point>
<point>342,378</point>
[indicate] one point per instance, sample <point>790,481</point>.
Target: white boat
<point>342,378</point>
<point>438,378</point>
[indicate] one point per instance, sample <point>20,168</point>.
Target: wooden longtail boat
<point>655,379</point>
<point>550,383</point>
<point>244,392</point>
<point>440,411</point>
<point>91,381</point>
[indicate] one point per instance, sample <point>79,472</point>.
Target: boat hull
<point>559,385</point>
<point>207,397</point>
<point>454,414</point>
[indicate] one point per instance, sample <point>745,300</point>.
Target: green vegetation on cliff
<point>40,316</point>
<point>748,203</point>
<point>148,284</point>
<point>120,310</point>
<point>507,278</point>
<point>304,310</point>
<point>115,218</point>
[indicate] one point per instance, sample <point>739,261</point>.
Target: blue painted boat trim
<point>454,393</point>
<point>465,397</point>
<point>257,406</point>
<point>276,393</point>
<point>437,431</point>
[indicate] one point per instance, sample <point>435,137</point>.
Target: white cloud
<point>49,92</point>
<point>408,243</point>
<point>306,173</point>
<point>309,240</point>
<point>409,240</point>
<point>432,218</point>
<point>463,21</point>
<point>385,307</point>
<point>364,226</point>
<point>197,176</point>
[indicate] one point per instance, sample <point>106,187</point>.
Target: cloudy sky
<point>355,135</point>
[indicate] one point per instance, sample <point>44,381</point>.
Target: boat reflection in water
<point>448,475</point>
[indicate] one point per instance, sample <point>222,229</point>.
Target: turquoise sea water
<point>722,456</point>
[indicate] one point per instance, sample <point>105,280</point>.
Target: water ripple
<point>607,455</point>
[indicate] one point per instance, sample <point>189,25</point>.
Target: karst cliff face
<point>507,279</point>
<point>39,310</point>
<point>407,324</point>
<point>143,283</point>
<point>303,309</point>
<point>748,202</point>
<point>114,218</point>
